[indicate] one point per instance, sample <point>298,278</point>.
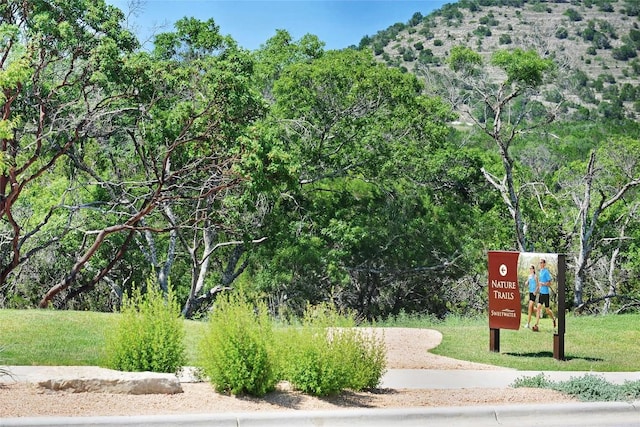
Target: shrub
<point>505,39</point>
<point>150,334</point>
<point>482,31</point>
<point>624,52</point>
<point>538,381</point>
<point>237,351</point>
<point>573,15</point>
<point>586,388</point>
<point>629,391</point>
<point>408,55</point>
<point>310,366</point>
<point>328,354</point>
<point>364,357</point>
<point>562,33</point>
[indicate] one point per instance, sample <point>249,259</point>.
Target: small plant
<point>149,335</point>
<point>328,354</point>
<point>538,381</point>
<point>591,388</point>
<point>3,371</point>
<point>237,352</point>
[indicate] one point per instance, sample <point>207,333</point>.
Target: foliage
<point>525,67</point>
<point>624,52</point>
<point>374,168</point>
<point>573,14</point>
<point>324,355</point>
<point>464,60</point>
<point>327,354</point>
<point>237,350</point>
<point>537,381</point>
<point>306,174</point>
<point>53,53</point>
<point>149,335</point>
<point>588,388</point>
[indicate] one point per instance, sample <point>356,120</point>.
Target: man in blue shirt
<point>544,280</point>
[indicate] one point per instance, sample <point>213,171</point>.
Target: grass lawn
<point>65,338</point>
<point>600,344</point>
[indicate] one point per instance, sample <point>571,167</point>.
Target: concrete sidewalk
<point>393,378</point>
<point>499,378</point>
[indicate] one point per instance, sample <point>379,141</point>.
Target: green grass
<point>65,338</point>
<point>47,337</point>
<point>599,344</point>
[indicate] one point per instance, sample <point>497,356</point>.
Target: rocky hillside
<point>594,43</point>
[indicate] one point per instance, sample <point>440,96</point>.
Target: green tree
<point>57,61</point>
<point>525,71</point>
<point>361,223</point>
<point>612,173</point>
<point>172,157</point>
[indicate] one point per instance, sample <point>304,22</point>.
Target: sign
<point>504,292</point>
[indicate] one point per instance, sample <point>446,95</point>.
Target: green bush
<point>150,334</point>
<point>538,381</point>
<point>328,354</point>
<point>629,391</point>
<point>591,388</point>
<point>364,357</point>
<point>237,351</point>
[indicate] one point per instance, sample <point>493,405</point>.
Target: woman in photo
<point>532,280</point>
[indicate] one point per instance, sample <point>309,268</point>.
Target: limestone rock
<point>95,379</point>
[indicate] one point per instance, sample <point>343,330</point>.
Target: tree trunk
<point>199,270</point>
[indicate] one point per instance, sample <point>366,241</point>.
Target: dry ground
<point>407,348</point>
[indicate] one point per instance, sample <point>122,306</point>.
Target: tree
<point>279,52</point>
<point>612,173</point>
<point>56,61</point>
<point>499,120</point>
<point>177,149</point>
<point>360,227</point>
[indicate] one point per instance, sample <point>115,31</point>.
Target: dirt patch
<point>407,348</point>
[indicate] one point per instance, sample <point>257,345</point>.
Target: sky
<point>338,23</point>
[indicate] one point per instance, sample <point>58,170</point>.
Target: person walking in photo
<point>532,280</point>
<point>544,281</point>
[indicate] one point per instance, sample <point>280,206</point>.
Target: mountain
<point>594,44</point>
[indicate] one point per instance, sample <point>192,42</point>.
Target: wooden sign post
<point>558,337</point>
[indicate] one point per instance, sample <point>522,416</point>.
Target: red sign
<point>504,292</point>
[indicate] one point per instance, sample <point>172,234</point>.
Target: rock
<point>80,379</point>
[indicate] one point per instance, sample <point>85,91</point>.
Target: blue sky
<point>338,23</point>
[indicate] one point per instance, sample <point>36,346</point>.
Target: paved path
<point>439,379</point>
<point>394,378</point>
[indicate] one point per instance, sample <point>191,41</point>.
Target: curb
<point>600,414</point>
